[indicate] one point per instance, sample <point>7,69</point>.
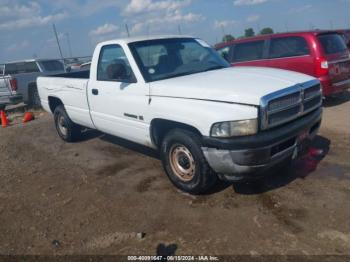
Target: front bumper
<point>246,157</point>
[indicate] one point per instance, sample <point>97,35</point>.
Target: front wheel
<point>184,162</point>
<point>66,129</point>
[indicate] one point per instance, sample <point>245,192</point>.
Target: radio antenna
<point>127,30</point>
<point>58,42</point>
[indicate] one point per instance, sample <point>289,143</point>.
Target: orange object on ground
<point>28,116</point>
<point>4,120</point>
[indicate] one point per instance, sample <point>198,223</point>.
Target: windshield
<point>167,58</point>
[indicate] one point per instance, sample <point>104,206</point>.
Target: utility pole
<point>311,26</point>
<point>179,29</point>
<point>223,30</point>
<point>69,46</point>
<point>58,42</point>
<point>127,30</point>
<point>286,26</point>
<point>258,27</point>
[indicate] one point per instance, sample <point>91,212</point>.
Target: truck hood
<point>245,85</point>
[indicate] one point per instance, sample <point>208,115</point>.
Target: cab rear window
<point>332,43</point>
<point>24,67</point>
<point>288,47</point>
<point>52,65</point>
<point>248,51</point>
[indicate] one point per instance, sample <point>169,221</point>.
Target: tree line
<point>249,32</point>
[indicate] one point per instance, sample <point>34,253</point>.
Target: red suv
<point>322,54</point>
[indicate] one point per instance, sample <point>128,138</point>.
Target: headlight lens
<point>235,128</point>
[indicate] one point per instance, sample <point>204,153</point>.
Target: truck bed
<point>71,90</point>
<point>79,74</point>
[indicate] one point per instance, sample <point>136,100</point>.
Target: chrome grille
<point>290,103</point>
<point>285,101</point>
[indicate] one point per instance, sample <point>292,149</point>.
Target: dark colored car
<point>322,54</point>
<point>346,33</point>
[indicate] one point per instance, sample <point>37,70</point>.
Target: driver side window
<point>113,65</point>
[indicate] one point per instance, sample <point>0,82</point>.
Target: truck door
<point>118,101</point>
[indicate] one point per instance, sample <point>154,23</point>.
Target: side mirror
<point>129,79</point>
<point>68,69</point>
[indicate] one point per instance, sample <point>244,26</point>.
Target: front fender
<point>201,114</point>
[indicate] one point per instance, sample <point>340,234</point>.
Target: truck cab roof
<point>142,38</point>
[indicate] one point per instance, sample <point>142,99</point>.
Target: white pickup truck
<point>176,94</point>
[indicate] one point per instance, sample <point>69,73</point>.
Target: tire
<point>184,162</point>
<point>34,98</point>
<point>66,129</point>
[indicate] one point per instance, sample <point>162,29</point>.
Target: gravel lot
<point>96,196</point>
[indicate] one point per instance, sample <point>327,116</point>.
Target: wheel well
<point>54,102</point>
<point>31,86</point>
<point>160,127</point>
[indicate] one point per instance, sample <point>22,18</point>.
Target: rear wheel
<point>66,129</point>
<point>184,162</point>
<point>34,98</point>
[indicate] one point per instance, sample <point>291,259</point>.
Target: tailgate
<point>5,89</point>
<point>337,55</point>
<point>339,68</point>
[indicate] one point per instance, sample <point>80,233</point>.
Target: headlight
<point>235,128</point>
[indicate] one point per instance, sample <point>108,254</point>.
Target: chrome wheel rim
<point>62,126</point>
<point>182,162</point>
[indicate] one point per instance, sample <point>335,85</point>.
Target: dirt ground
<point>108,196</point>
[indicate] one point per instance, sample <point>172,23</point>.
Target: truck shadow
<point>89,134</point>
<point>337,99</point>
<point>282,176</point>
<point>275,178</point>
<point>166,250</point>
<point>130,145</point>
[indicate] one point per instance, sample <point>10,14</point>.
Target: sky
<point>26,26</point>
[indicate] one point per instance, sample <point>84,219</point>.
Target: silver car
<point>8,92</point>
<point>20,77</point>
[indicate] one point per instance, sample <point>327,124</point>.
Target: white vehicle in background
<point>85,66</point>
<point>21,77</point>
<point>177,95</point>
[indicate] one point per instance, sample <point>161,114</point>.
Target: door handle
<point>94,92</point>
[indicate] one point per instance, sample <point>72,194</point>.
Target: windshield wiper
<point>194,72</point>
<point>214,68</point>
<point>184,73</point>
